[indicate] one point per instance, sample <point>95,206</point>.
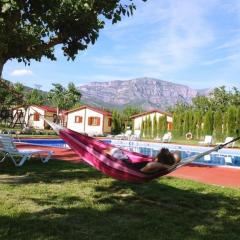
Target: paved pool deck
<point>221,176</point>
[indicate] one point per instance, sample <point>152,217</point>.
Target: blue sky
<point>191,42</point>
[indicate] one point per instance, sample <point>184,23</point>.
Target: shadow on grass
<point>117,210</point>
<point>174,212</point>
<point>128,211</point>
<point>54,171</point>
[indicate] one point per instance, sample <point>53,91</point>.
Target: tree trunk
<point>1,68</point>
<point>58,119</point>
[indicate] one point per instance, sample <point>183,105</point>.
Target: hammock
<point>91,151</point>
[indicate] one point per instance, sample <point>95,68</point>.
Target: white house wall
<point>78,127</point>
<point>94,129</point>
<point>29,117</point>
<point>169,119</point>
<point>35,124</point>
<point>84,127</point>
<point>138,120</point>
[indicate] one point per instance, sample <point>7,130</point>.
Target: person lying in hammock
<point>163,160</point>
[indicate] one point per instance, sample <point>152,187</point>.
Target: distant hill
<point>147,93</point>
<point>26,88</point>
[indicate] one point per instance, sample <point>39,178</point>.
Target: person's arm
<point>107,151</point>
<point>153,167</point>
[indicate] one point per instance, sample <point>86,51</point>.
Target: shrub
<point>231,121</point>
<point>155,127</point>
<point>218,125</point>
<point>208,123</point>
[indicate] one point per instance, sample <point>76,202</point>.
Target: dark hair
<point>165,157</point>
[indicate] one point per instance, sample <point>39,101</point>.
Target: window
<point>94,121</point>
<point>109,122</point>
<point>169,126</point>
<point>78,119</point>
<point>36,117</point>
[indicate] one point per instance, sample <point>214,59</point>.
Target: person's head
<point>168,158</point>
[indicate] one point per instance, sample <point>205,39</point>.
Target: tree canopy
<point>31,29</point>
<point>34,97</point>
<point>64,98</point>
<point>128,111</point>
<point>216,114</point>
<point>10,94</point>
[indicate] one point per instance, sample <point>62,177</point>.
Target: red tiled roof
<point>152,111</point>
<point>92,108</point>
<point>46,108</point>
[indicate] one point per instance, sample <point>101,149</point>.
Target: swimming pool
<point>225,157</point>
<point>45,142</point>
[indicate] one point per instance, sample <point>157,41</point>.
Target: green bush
<point>197,124</point>
<point>208,123</point>
<point>231,121</point>
<point>155,127</point>
<point>218,126</point>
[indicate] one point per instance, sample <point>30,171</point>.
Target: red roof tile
<point>149,112</point>
<point>46,108</point>
<point>90,107</point>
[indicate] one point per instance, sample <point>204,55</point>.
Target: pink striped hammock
<point>91,151</point>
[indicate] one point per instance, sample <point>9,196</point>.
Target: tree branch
<point>53,42</point>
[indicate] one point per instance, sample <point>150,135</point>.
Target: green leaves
<point>6,7</point>
<point>10,94</point>
<point>208,123</point>
<point>64,98</point>
<point>34,97</point>
<point>31,29</point>
<point>218,126</point>
<point>231,121</point>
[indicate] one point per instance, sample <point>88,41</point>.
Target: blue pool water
<point>225,157</point>
<point>46,142</point>
<point>212,159</point>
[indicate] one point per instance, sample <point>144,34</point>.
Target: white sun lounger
<point>207,140</point>
<point>167,137</point>
<point>136,135</point>
<point>124,136</point>
<point>9,149</point>
<point>228,139</point>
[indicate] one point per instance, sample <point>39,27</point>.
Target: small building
<point>30,116</point>
<point>90,120</point>
<point>139,118</point>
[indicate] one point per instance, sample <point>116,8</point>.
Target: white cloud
<point>147,13</point>
<point>186,32</point>
<point>232,57</point>
<point>21,72</point>
<point>230,44</point>
<point>174,32</point>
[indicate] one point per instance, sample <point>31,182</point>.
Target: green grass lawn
<point>196,142</point>
<point>61,200</point>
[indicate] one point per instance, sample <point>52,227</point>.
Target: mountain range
<point>146,93</point>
